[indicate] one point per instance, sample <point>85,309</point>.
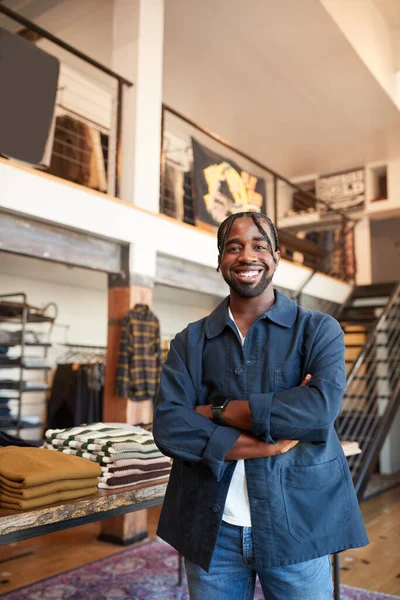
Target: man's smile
<point>248,274</point>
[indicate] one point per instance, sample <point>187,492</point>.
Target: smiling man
<point>246,408</point>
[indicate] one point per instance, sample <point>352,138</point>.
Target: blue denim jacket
<point>303,504</point>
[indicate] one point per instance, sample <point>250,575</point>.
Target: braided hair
<point>226,226</point>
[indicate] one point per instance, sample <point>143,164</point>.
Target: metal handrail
<point>371,336</point>
<point>121,81</point>
<point>259,164</point>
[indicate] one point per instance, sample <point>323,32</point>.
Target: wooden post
<point>123,294</point>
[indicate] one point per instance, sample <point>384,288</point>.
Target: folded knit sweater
<point>114,482</point>
<point>103,459</point>
<point>47,488</point>
<point>19,504</point>
<point>28,467</point>
<point>104,440</point>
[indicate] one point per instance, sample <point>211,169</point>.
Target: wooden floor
<point>375,567</point>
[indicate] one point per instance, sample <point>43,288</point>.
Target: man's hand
<point>247,446</point>
<point>306,380</point>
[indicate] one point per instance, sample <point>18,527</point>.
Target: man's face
<point>247,264</point>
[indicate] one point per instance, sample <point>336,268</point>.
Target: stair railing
<point>372,393</point>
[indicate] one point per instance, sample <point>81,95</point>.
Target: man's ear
<point>277,255</point>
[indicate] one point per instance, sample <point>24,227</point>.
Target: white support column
<point>362,241</point>
<point>138,55</point>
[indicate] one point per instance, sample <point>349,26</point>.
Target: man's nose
<point>248,254</point>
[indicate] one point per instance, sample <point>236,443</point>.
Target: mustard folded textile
<point>47,488</point>
<point>28,467</point>
<point>18,504</point>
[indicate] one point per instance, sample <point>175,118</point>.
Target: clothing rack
<point>82,354</point>
<point>78,386</point>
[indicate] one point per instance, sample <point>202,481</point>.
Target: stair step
<point>369,361</point>
<point>359,319</point>
<point>374,290</point>
<point>373,376</point>
<point>369,302</point>
<point>361,396</point>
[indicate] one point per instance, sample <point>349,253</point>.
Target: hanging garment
<point>98,176</point>
<point>76,395</point>
<point>172,200</point>
<point>139,358</point>
<point>188,200</point>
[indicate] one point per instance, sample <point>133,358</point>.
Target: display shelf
<point>16,310</point>
<point>29,344</point>
<point>15,386</point>
<point>18,365</point>
<point>15,424</point>
<point>13,312</point>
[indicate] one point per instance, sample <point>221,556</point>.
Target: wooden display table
<point>18,525</point>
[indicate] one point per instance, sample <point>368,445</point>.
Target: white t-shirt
<point>237,506</point>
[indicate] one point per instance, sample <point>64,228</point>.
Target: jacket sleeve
<point>178,430</point>
<point>123,361</point>
<point>306,413</point>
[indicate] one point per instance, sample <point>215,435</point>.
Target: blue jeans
<point>233,572</point>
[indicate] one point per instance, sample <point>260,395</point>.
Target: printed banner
<point>222,187</point>
<point>343,191</point>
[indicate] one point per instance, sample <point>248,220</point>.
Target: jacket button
<point>216,508</point>
<point>238,371</point>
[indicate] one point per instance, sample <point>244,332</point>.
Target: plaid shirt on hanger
<point>139,357</point>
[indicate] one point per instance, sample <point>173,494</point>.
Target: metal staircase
<point>371,322</point>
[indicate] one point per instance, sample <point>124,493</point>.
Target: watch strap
<point>217,410</point>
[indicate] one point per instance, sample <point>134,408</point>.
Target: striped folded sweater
<point>102,439</point>
<point>126,457</point>
<point>135,479</point>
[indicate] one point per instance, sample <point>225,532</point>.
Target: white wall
<point>367,31</point>
<point>175,308</point>
<point>87,25</point>
<point>385,250</point>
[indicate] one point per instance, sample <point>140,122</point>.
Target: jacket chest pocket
<point>316,500</point>
<point>286,379</point>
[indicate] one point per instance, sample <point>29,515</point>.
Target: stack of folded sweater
<point>33,477</point>
<point>126,456</point>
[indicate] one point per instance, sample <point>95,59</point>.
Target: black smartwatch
<point>217,410</point>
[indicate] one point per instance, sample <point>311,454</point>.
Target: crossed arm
<point>275,420</point>
<point>238,414</point>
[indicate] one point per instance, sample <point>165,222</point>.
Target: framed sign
<point>223,188</point>
<point>342,191</point>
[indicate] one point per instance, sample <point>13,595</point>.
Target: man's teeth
<point>248,274</point>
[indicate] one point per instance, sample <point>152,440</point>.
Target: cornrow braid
<point>226,226</point>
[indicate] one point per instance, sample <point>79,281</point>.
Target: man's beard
<point>248,290</point>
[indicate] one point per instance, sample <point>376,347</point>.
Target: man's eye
<point>260,248</point>
<point>234,249</point>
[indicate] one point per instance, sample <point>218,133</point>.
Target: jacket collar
<point>282,313</point>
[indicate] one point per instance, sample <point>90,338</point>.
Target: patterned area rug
<point>147,571</point>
